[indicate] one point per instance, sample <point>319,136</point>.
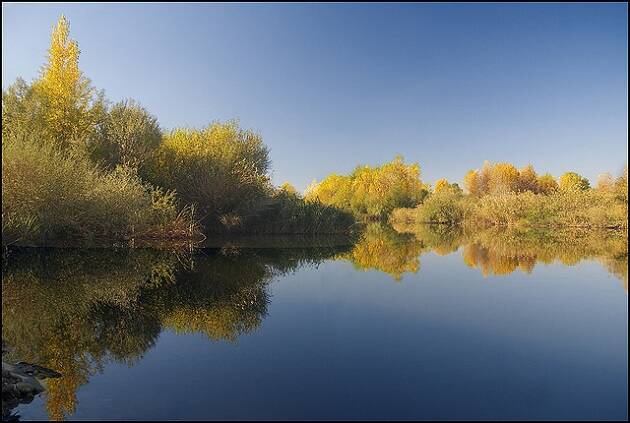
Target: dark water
<point>432,325</point>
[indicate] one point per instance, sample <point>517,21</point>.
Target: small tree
<point>528,179</point>
<point>571,181</point>
<point>288,188</point>
<point>440,185</point>
<point>547,184</point>
<point>472,183</point>
<point>605,181</point>
<point>129,136</point>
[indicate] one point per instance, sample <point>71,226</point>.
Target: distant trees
<point>504,178</point>
<point>501,178</point>
<point>547,184</point>
<point>571,181</point>
<point>372,191</point>
<point>502,195</point>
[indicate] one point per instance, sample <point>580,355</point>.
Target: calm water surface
<point>431,325</point>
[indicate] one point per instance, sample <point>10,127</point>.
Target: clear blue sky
<point>330,86</point>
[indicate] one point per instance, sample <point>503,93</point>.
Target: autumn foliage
<point>371,192</point>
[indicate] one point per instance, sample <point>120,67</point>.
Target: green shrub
<point>446,207</point>
<point>221,169</point>
<point>128,136</point>
<point>288,213</point>
<point>48,194</point>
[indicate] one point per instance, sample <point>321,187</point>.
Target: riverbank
<point>594,209</point>
<point>21,382</point>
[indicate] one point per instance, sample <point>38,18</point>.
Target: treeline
<point>502,195</point>
<point>74,166</point>
<point>497,194</point>
<point>371,192</point>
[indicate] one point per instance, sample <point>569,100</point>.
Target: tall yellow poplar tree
<point>72,107</point>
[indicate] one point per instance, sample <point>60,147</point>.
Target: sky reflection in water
<point>432,324</point>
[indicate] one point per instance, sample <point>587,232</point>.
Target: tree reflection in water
<point>381,248</point>
<point>501,251</point>
<point>75,310</point>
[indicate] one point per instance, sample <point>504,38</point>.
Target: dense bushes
<point>287,212</point>
<point>222,169</point>
<point>129,135</point>
<point>371,192</point>
<point>48,194</point>
<point>578,208</point>
<point>51,190</point>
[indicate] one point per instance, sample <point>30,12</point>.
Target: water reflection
<point>381,248</point>
<point>494,251</point>
<point>75,310</point>
<point>501,251</point>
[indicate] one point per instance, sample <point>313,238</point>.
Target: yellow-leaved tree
<point>71,107</point>
<point>504,179</point>
<point>528,179</point>
<point>372,191</point>
<point>472,182</point>
<point>440,185</point>
<point>571,181</point>
<point>288,188</point>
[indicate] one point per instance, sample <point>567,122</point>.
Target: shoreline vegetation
<point>78,170</point>
<point>500,195</point>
